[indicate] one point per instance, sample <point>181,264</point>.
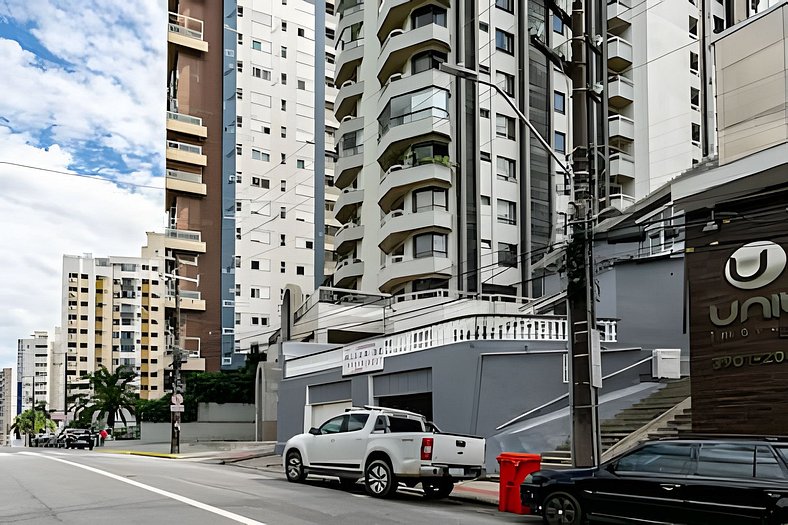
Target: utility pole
<point>583,340</point>
<point>175,416</point>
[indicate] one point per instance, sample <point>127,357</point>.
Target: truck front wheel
<point>380,480</point>
<point>437,488</point>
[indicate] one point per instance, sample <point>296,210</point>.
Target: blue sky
<point>83,91</point>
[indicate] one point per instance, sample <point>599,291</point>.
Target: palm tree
<point>32,421</point>
<point>112,394</point>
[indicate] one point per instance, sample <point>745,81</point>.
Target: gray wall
<point>224,412</point>
<point>190,432</point>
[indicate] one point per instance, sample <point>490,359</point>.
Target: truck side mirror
<point>314,431</point>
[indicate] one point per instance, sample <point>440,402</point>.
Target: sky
<point>82,94</point>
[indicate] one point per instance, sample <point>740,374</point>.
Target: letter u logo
<point>755,265</point>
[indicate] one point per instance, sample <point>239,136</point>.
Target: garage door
<point>325,411</point>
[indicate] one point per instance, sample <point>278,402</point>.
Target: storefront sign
<point>362,358</point>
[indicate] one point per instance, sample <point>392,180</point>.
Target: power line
<point>89,176</point>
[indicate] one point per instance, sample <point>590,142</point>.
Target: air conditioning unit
<point>347,83</point>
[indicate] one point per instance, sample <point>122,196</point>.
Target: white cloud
<point>46,215</point>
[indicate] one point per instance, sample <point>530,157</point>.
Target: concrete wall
<point>225,412</point>
<point>216,431</point>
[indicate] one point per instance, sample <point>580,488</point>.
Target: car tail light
<point>426,449</point>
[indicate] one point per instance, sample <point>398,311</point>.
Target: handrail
<point>564,396</point>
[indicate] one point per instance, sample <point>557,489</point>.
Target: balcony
<point>183,240</point>
<point>400,46</point>
<point>621,91</point>
<point>398,226</point>
<point>186,153</point>
<point>393,14</point>
<point>186,31</point>
<point>399,180</point>
<point>622,165</point>
<point>397,86</point>
<point>350,160</point>
<point>413,127</point>
<point>619,14</point>
<point>185,182</point>
<point>187,124</point>
<point>347,271</point>
<point>400,270</point>
<point>348,59</point>
<point>348,97</point>
<point>352,14</point>
<point>621,201</point>
<point>619,53</point>
<point>621,128</point>
<point>348,202</point>
<point>347,236</point>
<point>190,300</point>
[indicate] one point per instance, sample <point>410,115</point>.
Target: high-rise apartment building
<point>275,159</point>
<point>6,407</point>
<point>113,314</point>
<point>32,371</point>
<point>442,185</point>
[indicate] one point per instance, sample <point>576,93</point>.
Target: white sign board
<point>176,408</point>
<point>362,357</point>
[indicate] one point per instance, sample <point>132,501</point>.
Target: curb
<point>140,453</point>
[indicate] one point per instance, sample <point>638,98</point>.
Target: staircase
<point>633,418</point>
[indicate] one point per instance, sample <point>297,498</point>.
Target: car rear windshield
<point>403,424</point>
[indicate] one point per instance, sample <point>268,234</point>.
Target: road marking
<point>194,503</point>
<point>5,454</point>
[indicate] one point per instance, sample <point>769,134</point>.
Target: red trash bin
<point>514,468</point>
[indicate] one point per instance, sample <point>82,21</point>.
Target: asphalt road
<point>81,487</point>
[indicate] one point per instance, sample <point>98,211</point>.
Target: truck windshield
<point>403,424</point>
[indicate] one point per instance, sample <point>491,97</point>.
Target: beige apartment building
<point>6,407</point>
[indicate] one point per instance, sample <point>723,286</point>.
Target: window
<point>485,200</point>
<point>430,199</point>
<point>257,45</point>
<point>504,41</point>
<point>430,245</point>
<point>284,158</point>
<point>238,206</point>
<point>504,126</point>
<point>484,70</point>
<point>429,14</point>
<point>283,78</point>
<point>282,267</point>
<point>410,107</point>
<point>284,25</point>
<point>282,185</point>
<point>239,66</point>
<point>300,164</point>
<point>558,24</point>
<point>266,130</point>
<point>484,113</point>
<point>696,133</point>
<point>507,255</point>
<point>693,26</point>
<point>259,72</point>
<point>282,239</point>
<point>505,168</point>
<point>301,31</point>
<point>693,62</point>
<point>282,212</point>
<point>695,98</point>
<point>403,424</point>
<point>427,60</point>
<point>507,212</point>
<point>484,27</point>
<point>505,81</point>
<point>332,426</point>
<point>330,58</point>
<point>663,458</point>
<point>240,11</point>
<point>299,270</point>
<point>730,460</point>
<point>486,244</point>
<point>239,121</point>
<point>284,105</point>
<point>255,293</point>
<point>283,132</point>
<point>719,24</point>
<point>356,422</point>
<point>559,102</point>
<point>255,266</point>
<point>484,156</point>
<point>559,142</point>
<point>239,150</point>
<point>506,5</point>
<point>240,39</point>
<point>260,155</point>
<point>766,465</point>
<point>283,52</point>
<point>329,33</point>
<point>301,85</point>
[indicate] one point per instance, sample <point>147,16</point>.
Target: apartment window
<point>484,156</point>
<point>301,31</point>
<point>485,200</point>
<point>330,58</point>
<point>239,93</point>
<point>282,185</point>
<point>300,164</point>
<point>506,168</point>
<point>266,130</point>
<point>282,267</point>
<point>696,134</point>
<point>238,233</point>
<point>255,266</point>
<point>284,105</point>
<point>504,126</point>
<point>559,102</point>
<point>283,52</point>
<point>430,199</point>
<point>282,239</point>
<point>284,79</point>
<point>239,66</point>
<point>693,62</point>
<point>484,70</point>
<point>256,44</point>
<point>240,39</point>
<point>430,245</point>
<point>239,150</point>
<point>504,41</point>
<point>255,293</point>
<point>486,244</point>
<point>558,24</point>
<point>259,72</point>
<point>507,212</point>
<point>559,143</point>
<point>719,24</point>
<point>240,11</point>
<point>429,14</point>
<point>329,33</point>
<point>410,107</point>
<point>484,27</point>
<point>507,255</point>
<point>299,270</point>
<point>237,319</point>
<point>693,26</point>
<point>238,206</point>
<point>427,60</point>
<point>265,183</point>
<point>506,5</point>
<point>484,113</point>
<point>284,158</point>
<point>301,84</point>
<point>239,121</point>
<point>282,212</point>
<point>309,244</point>
<point>260,155</point>
<point>284,25</point>
<point>694,98</point>
<point>506,82</point>
<point>283,132</point>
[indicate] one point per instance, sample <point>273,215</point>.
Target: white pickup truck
<point>385,447</point>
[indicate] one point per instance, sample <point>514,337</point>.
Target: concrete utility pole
<point>583,340</point>
<point>175,417</point>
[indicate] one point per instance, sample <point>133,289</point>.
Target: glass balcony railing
<point>185,25</point>
<point>182,146</point>
<point>185,235</point>
<point>186,119</point>
<point>184,176</point>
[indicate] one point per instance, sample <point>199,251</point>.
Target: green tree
<point>32,421</point>
<point>112,394</point>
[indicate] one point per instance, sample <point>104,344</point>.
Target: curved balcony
<point>393,14</point>
<point>347,97</point>
<point>619,54</point>
<point>398,226</point>
<point>399,180</point>
<point>406,84</point>
<point>621,91</point>
<point>353,14</point>
<point>347,236</point>
<point>347,203</point>
<point>400,270</point>
<point>350,160</point>
<point>401,45</point>
<point>347,271</point>
<point>412,128</point>
<point>348,59</point>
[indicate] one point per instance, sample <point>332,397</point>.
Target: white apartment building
<point>274,182</point>
<point>33,370</point>
<point>112,315</point>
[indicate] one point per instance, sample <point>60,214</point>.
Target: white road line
<point>5,454</point>
<point>203,506</point>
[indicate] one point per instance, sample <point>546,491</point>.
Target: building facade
<point>32,371</point>
<point>7,412</point>
<point>113,314</point>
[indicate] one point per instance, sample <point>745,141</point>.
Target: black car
<point>80,438</point>
<point>689,481</point>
